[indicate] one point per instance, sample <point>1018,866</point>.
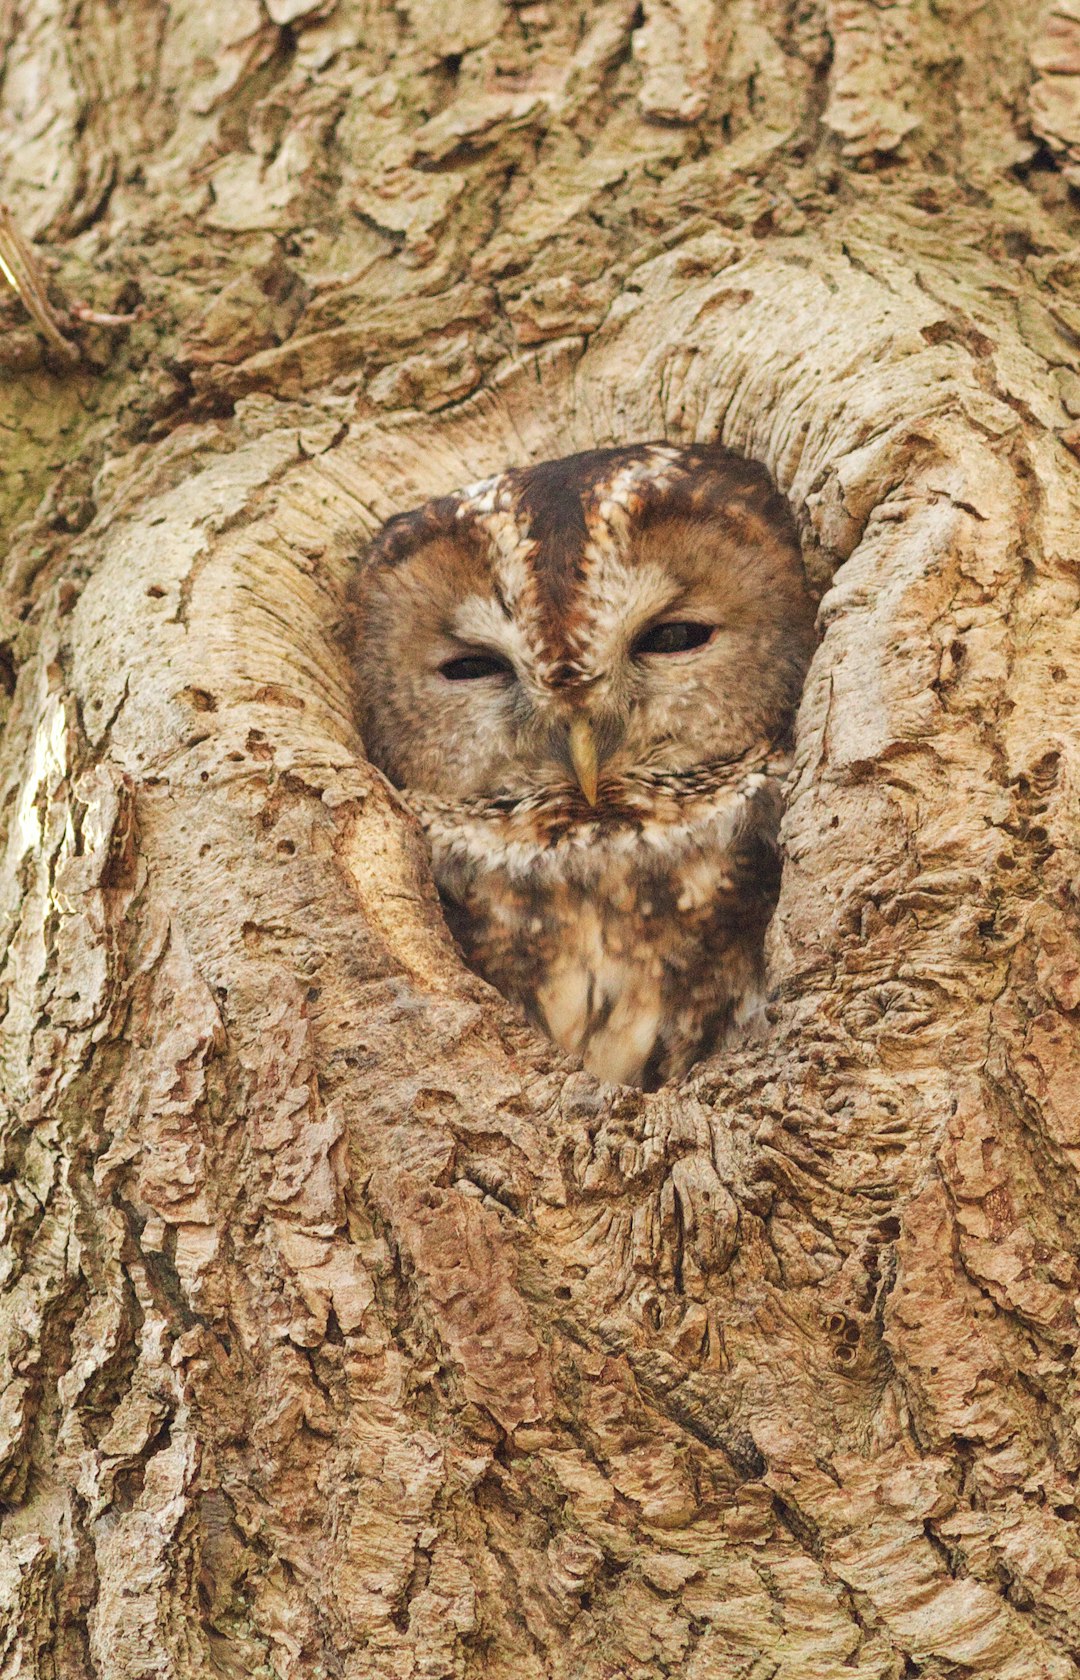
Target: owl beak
<point>583,756</point>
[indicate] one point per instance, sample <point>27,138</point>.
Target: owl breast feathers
<point>582,675</point>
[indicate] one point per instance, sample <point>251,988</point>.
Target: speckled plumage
<point>622,906</point>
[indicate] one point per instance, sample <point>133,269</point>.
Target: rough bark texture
<point>345,1329</point>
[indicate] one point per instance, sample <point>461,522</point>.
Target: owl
<point>582,676</point>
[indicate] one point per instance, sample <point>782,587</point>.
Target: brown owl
<point>582,675</point>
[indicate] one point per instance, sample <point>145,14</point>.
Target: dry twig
<point>20,267</point>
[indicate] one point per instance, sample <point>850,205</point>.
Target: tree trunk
<point>345,1328</point>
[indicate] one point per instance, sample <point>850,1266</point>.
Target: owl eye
<point>471,666</point>
<point>673,638</point>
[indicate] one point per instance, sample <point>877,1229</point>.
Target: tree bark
<point>345,1328</point>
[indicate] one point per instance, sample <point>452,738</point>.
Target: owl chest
<point>632,960</point>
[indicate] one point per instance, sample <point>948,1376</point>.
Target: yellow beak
<point>583,756</point>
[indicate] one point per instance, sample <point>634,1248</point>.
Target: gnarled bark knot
<point>387,1331</point>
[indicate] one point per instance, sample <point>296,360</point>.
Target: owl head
<point>625,612</point>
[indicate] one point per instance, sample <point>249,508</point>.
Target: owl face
<point>567,628</point>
